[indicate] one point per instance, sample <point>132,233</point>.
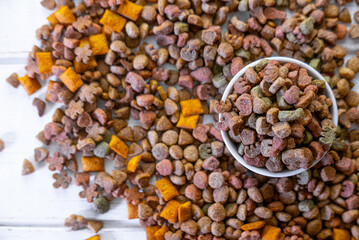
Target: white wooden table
<point>30,208</point>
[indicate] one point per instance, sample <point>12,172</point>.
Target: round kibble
<point>176,152</point>
<point>190,153</point>
<point>200,179</point>
<point>216,180</point>
<point>169,137</point>
<point>164,167</point>
<point>217,212</point>
<point>140,61</point>
<point>221,194</point>
<point>204,225</point>
<point>193,193</point>
<point>218,228</point>
<point>101,205</point>
<point>160,151</point>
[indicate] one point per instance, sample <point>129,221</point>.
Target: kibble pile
<point>276,124</point>
<point>107,74</point>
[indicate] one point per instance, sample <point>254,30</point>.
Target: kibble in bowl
<point>278,117</point>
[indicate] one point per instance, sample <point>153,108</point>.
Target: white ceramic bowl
<point>233,146</point>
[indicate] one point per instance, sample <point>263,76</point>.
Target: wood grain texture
<point>29,206</point>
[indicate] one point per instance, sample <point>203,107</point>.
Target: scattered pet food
<point>106,74</point>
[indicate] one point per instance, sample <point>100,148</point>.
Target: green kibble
<point>319,83</point>
<point>180,27</point>
<point>307,26</point>
<point>257,90</point>
<point>327,135</point>
<point>102,149</point>
<point>216,69</point>
<point>288,116</point>
<point>101,205</point>
<point>205,208</point>
<point>329,81</point>
<point>341,133</point>
<point>315,173</point>
<point>282,104</point>
<point>261,65</point>
<point>267,102</point>
<point>354,178</point>
<point>315,63</point>
<point>338,144</point>
<point>219,80</point>
<point>107,136</point>
<point>205,150</point>
<point>308,137</point>
<point>243,54</point>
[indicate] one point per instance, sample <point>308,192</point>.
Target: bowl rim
<point>232,147</point>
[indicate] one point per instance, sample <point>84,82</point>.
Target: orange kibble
<point>187,122</point>
<point>31,85</point>
<point>71,79</point>
<point>133,163</point>
<point>162,93</point>
<point>160,234</point>
<point>270,233</point>
<point>118,146</point>
<point>170,212</point>
<point>81,67</point>
<point>113,20</point>
<point>191,107</point>
<point>340,234</point>
<point>185,212</point>
<point>52,20</point>
<point>253,226</point>
<point>132,211</point>
<point>44,62</point>
<point>166,188</point>
<point>150,232</point>
<point>130,10</point>
<point>98,44</point>
<point>96,237</point>
<point>93,164</point>
<point>65,16</point>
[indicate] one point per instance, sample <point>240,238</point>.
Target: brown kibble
<point>40,105</point>
<point>62,179</point>
<point>354,31</point>
<point>2,145</point>
<point>217,212</point>
<point>40,154</point>
<point>27,168</point>
<point>94,225</point>
<point>76,222</point>
<point>13,80</point>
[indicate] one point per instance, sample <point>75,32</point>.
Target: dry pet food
<point>132,129</point>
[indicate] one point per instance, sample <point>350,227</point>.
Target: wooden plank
<point>60,233</point>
